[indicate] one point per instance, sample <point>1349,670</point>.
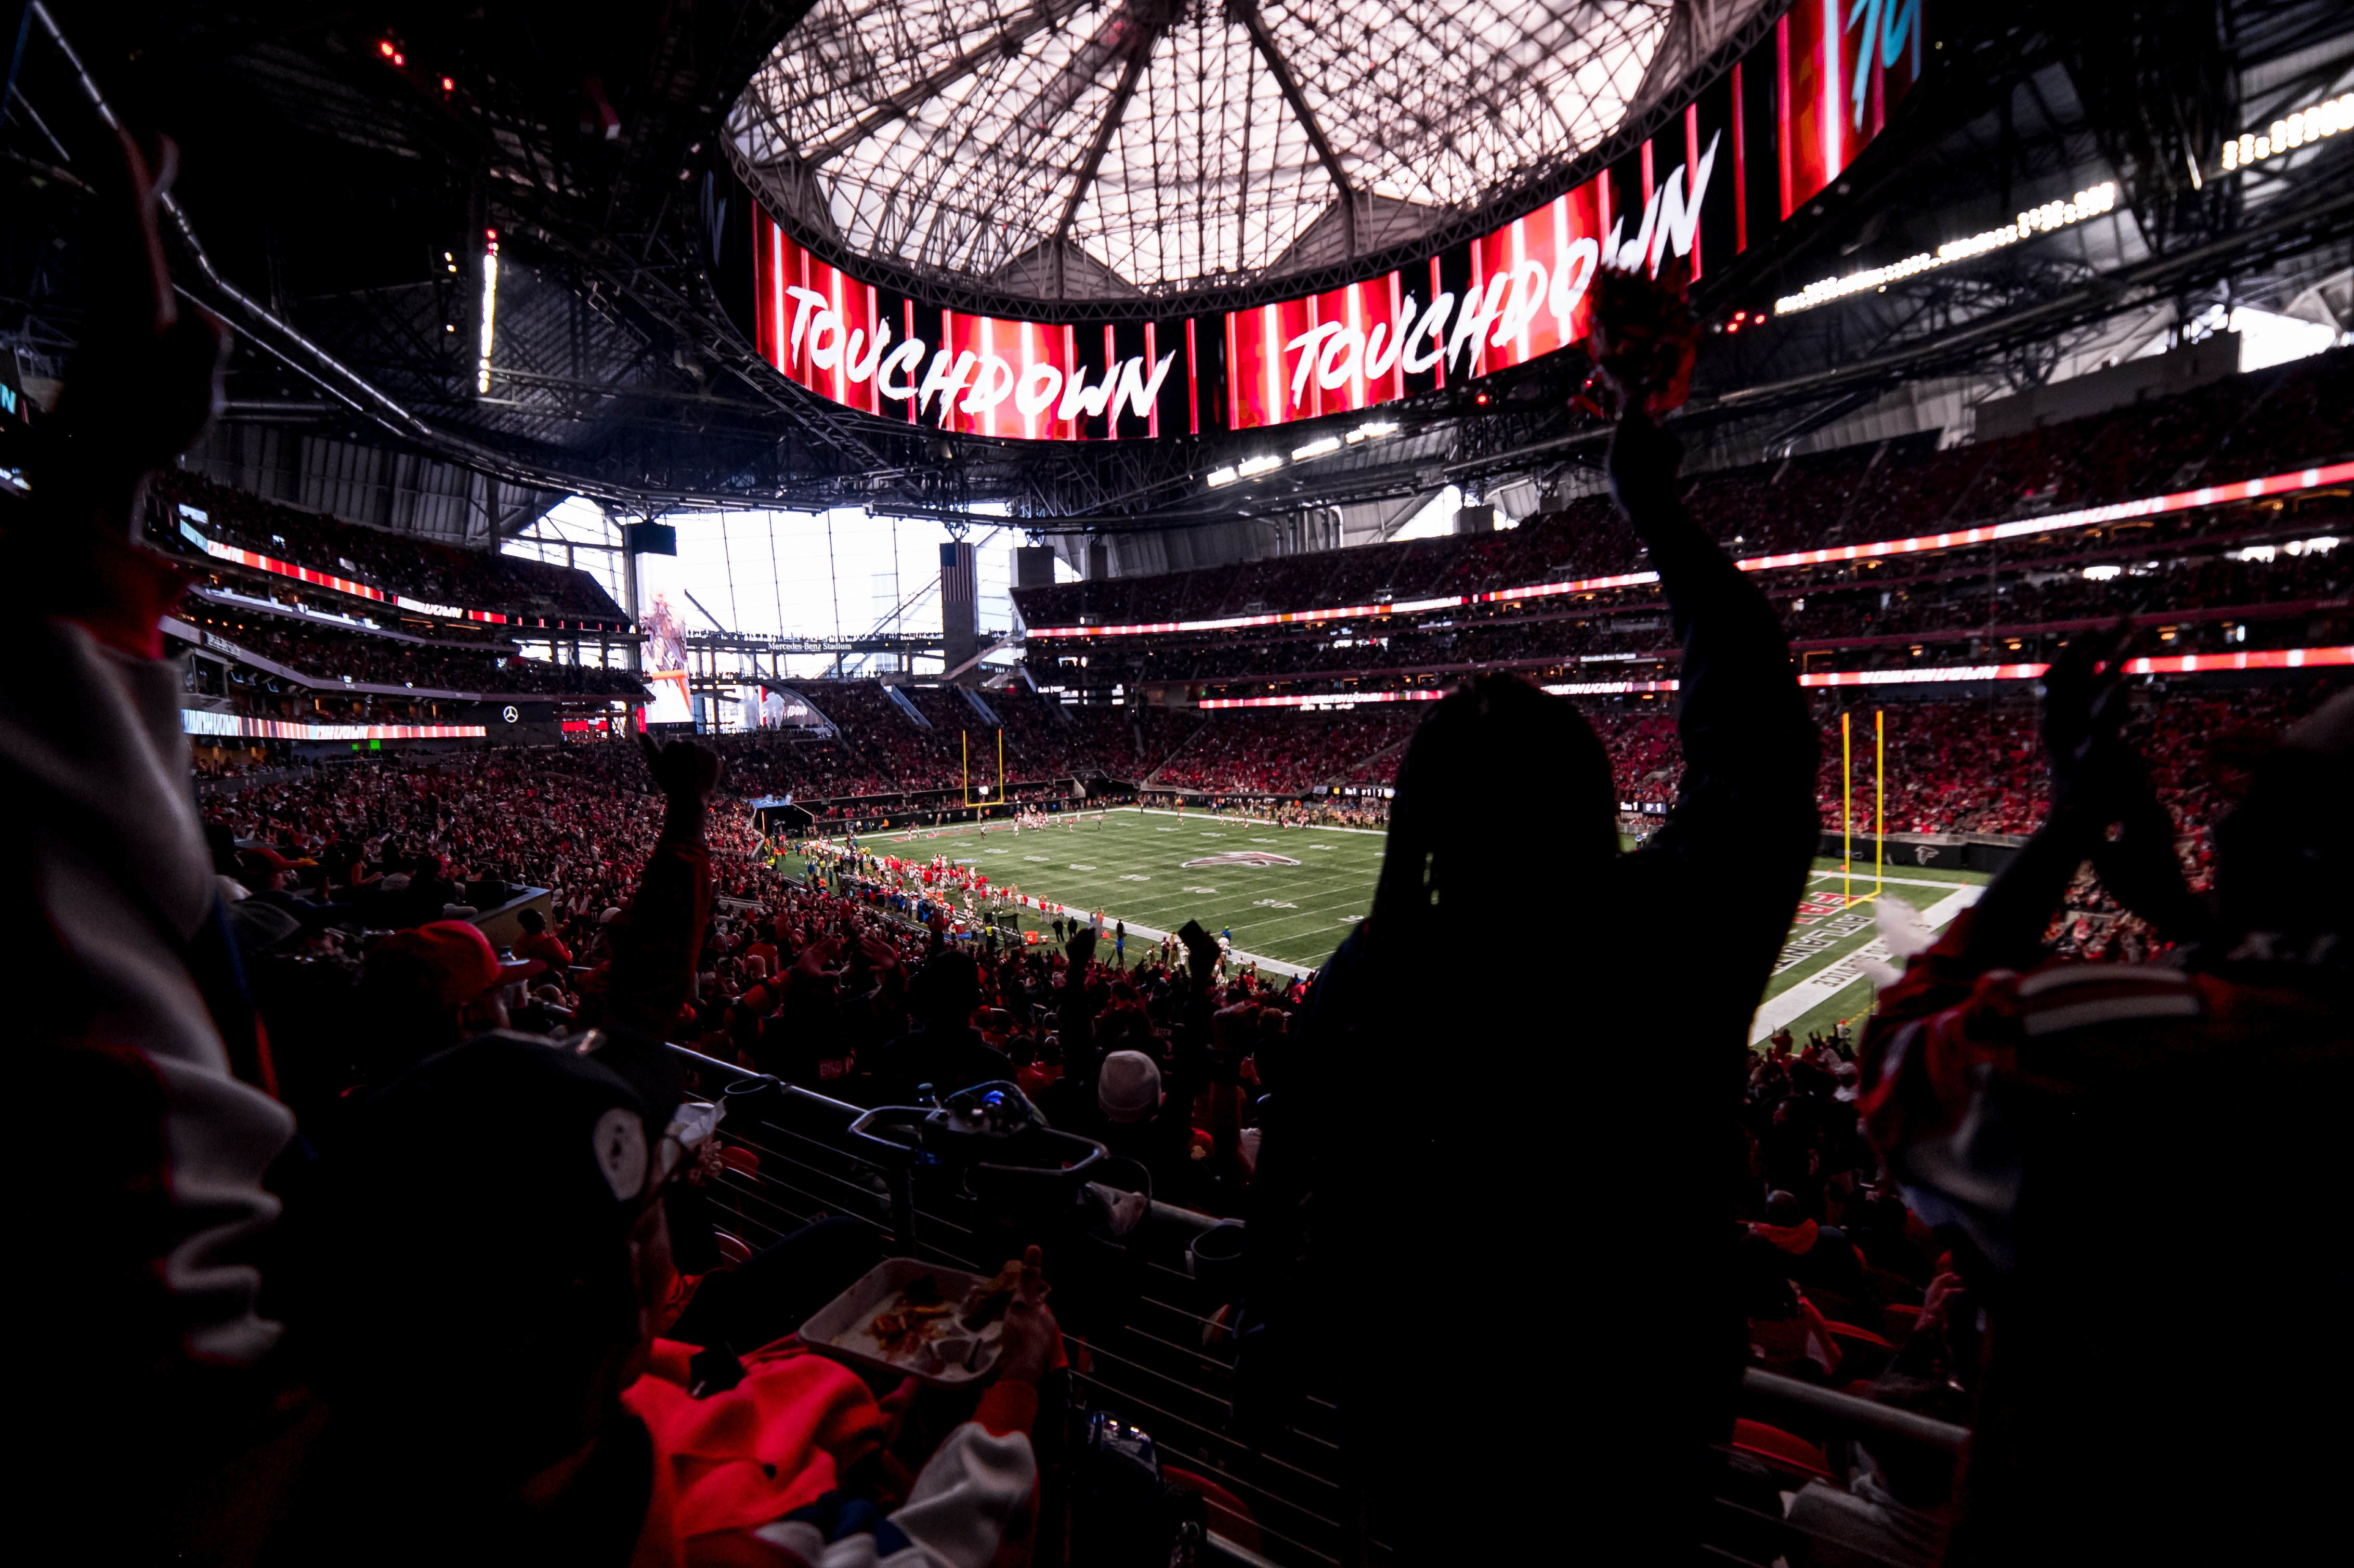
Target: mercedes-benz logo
<point>511,713</point>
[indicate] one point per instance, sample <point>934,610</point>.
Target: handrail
<point>1168,1213</point>
<point>1186,1397</point>
<point>1880,1420</point>
<point>698,1058</point>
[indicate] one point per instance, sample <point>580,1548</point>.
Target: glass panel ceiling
<point>1161,138</point>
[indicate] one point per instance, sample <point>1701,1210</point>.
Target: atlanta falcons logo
<point>1240,857</point>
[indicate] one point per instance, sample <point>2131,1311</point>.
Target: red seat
<point>739,1159</point>
<point>1785,1448</point>
<point>734,1249</point>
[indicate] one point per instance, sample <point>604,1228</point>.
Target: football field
<point>1290,894</point>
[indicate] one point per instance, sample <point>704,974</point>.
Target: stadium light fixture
<point>1316,449</point>
<point>1220,477</point>
<point>1251,468</point>
<point>490,309</point>
<point>2090,202</point>
<point>2289,132</point>
<point>1373,430</point>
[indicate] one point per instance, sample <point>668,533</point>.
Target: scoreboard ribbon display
<point>1754,148</point>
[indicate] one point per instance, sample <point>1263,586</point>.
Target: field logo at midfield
<point>1240,857</point>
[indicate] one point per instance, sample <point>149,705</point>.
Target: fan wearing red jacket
<point>497,1263</point>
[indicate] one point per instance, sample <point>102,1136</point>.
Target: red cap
<point>457,957</point>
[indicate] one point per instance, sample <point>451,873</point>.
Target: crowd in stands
<point>2239,427</point>
<point>845,984</point>
<point>1271,752</point>
<point>2297,599</point>
<point>1960,599</point>
<point>233,764</point>
<point>372,1244</point>
<point>434,573</point>
<point>1961,765</point>
<point>879,750</point>
<point>335,654</point>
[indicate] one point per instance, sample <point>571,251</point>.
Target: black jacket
<point>1473,1127</point>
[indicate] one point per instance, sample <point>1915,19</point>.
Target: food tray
<point>844,1327</point>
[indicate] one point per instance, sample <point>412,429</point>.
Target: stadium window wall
<point>763,573</point>
<point>579,522</point>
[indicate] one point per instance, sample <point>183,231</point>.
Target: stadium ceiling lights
<point>1251,468</point>
<point>2089,202</point>
<point>2286,135</point>
<point>1167,143</point>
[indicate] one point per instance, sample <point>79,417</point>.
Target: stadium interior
<point>876,782</point>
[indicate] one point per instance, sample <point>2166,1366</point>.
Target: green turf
<point>1830,931</point>
<point>1130,865</point>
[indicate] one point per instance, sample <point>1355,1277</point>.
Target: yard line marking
<point>1803,998</point>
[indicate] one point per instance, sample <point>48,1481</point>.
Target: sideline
<point>1237,958</point>
<point>1787,1006</point>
